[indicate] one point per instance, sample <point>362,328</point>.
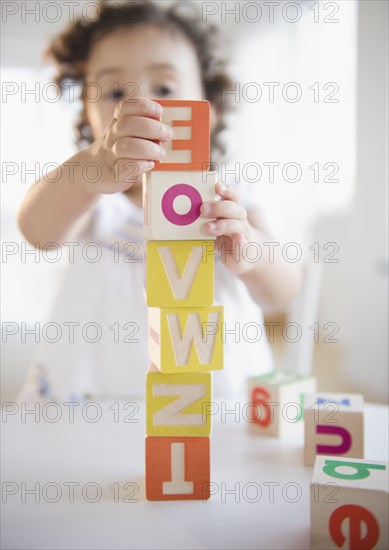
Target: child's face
<point>143,61</point>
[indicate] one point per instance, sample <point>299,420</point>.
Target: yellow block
<point>175,404</point>
<point>180,273</point>
<point>184,340</point>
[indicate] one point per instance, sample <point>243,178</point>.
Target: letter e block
<point>171,204</point>
<point>333,426</point>
<point>349,504</point>
<point>177,468</point>
<point>175,403</point>
<point>180,273</point>
<point>190,147</point>
<point>277,402</point>
<point>182,340</point>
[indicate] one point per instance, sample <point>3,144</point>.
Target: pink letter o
<point>168,199</point>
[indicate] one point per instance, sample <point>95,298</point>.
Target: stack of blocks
<point>184,327</point>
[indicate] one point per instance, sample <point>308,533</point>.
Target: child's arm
<point>123,153</point>
<point>271,281</point>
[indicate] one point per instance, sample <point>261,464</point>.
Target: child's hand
<point>231,228</point>
<point>127,149</point>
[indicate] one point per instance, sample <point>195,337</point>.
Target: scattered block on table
<point>333,425</point>
<point>180,273</point>
<point>171,204</point>
<point>277,402</point>
<point>175,404</point>
<point>177,468</point>
<point>190,147</point>
<point>182,340</point>
<point>349,504</point>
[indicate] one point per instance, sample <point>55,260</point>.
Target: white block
<point>349,504</point>
<point>171,203</point>
<point>278,402</point>
<point>333,426</point>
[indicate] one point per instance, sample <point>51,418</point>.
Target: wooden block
<point>177,468</point>
<point>171,204</point>
<point>278,402</point>
<point>190,147</point>
<point>180,273</point>
<point>333,426</point>
<point>175,403</point>
<point>349,504</point>
<point>182,340</point>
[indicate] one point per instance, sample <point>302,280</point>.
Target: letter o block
<point>349,504</point>
<point>171,204</point>
<point>277,402</point>
<point>333,426</point>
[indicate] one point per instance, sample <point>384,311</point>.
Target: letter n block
<point>190,147</point>
<point>171,204</point>
<point>180,273</point>
<point>333,426</point>
<point>277,402</point>
<point>182,340</point>
<point>177,468</point>
<point>349,504</point>
<point>175,404</point>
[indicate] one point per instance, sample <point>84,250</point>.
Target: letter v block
<point>333,426</point>
<point>190,147</point>
<point>349,504</point>
<point>177,468</point>
<point>182,340</point>
<point>175,403</point>
<point>180,273</point>
<point>171,204</point>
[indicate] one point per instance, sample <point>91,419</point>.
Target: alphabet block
<point>175,403</point>
<point>349,504</point>
<point>180,273</point>
<point>182,340</point>
<point>190,147</point>
<point>333,426</point>
<point>177,468</point>
<point>171,204</point>
<point>278,402</point>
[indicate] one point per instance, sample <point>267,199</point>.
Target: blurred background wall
<point>310,135</point>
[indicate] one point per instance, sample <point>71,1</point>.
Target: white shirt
<point>100,307</point>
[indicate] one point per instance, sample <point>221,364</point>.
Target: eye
<point>116,95</point>
<point>163,91</point>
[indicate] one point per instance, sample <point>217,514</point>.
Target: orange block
<point>190,147</point>
<point>177,468</point>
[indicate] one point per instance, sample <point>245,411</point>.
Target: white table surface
<point>108,452</point>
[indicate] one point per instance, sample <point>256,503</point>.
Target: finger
<point>142,127</point>
<point>227,192</point>
<point>223,209</point>
<point>138,149</point>
<point>226,227</point>
<point>138,106</point>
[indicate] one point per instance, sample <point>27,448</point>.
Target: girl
<point>132,53</point>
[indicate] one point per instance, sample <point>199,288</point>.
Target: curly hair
<point>71,49</point>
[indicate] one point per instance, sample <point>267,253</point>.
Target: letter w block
<point>182,340</point>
